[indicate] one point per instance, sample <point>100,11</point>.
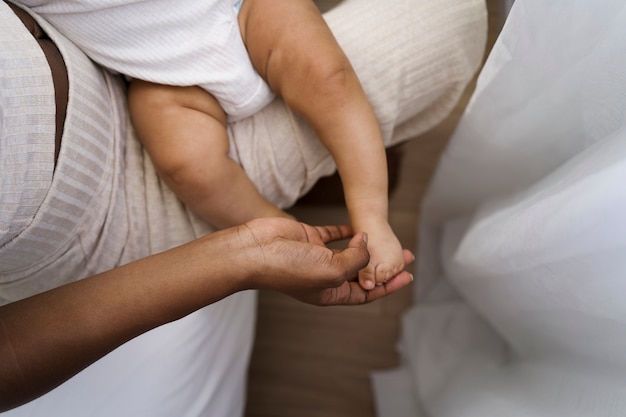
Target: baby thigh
<point>183,129</point>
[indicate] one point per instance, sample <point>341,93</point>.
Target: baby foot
<point>386,257</point>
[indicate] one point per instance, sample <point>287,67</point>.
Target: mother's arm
<point>48,338</point>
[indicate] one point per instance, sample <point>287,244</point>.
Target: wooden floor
<point>316,362</point>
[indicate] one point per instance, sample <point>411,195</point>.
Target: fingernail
<point>369,285</point>
<point>411,277</point>
<point>365,237</point>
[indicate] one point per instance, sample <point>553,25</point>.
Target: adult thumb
<point>356,254</point>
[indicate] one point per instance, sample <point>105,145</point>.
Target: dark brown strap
<point>57,67</point>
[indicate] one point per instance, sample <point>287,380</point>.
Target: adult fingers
<point>351,293</point>
<point>396,283</point>
<point>331,233</point>
<point>352,259</point>
<point>408,256</point>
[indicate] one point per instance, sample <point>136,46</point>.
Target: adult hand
<point>292,257</point>
<point>51,336</point>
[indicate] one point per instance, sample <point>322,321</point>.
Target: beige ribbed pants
<point>414,59</point>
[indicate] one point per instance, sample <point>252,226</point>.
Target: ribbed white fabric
<point>186,42</point>
<point>27,124</point>
<point>69,221</point>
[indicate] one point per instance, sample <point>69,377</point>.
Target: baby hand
<point>387,258</point>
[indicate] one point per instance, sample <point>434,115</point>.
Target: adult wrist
<point>230,252</point>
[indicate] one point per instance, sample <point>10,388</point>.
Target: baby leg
<point>184,131</point>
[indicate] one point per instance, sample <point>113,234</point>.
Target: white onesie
<point>183,42</point>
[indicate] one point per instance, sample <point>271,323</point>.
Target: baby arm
<point>303,64</point>
<point>184,131</point>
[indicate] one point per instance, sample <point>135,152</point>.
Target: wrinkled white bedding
<point>523,237</point>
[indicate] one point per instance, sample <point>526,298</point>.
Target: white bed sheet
<point>522,263</point>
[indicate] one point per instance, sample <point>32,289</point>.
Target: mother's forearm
<point>48,338</point>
